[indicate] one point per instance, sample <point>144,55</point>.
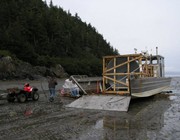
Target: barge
<point>124,77</point>
<point>136,75</point>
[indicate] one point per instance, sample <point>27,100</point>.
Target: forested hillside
<point>44,35</point>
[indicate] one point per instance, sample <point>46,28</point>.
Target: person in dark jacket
<point>52,84</point>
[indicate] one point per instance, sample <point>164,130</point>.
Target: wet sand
<point>154,118</point>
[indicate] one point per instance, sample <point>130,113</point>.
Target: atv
<point>21,95</point>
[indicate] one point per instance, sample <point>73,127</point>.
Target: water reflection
<point>143,121</point>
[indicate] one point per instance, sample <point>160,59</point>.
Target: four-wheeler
<point>21,95</point>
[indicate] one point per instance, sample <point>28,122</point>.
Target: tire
<point>10,98</point>
<point>22,98</point>
<point>35,96</point>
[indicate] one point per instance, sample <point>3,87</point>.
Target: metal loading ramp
<point>102,102</point>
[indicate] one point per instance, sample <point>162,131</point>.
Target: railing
<point>119,82</point>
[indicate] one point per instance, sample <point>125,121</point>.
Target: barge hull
<point>145,87</point>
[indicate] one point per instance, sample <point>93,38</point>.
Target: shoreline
<point>43,83</point>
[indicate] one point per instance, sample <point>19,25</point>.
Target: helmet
<point>26,84</point>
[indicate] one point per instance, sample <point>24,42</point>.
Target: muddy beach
<point>154,118</point>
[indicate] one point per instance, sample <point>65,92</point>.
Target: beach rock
<point>16,69</point>
<point>59,71</point>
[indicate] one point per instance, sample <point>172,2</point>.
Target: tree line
<point>44,34</point>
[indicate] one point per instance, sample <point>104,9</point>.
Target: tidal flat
<point>152,118</point>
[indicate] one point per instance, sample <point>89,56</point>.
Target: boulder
<point>17,69</point>
<point>59,71</point>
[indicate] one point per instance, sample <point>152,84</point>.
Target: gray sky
<point>129,24</point>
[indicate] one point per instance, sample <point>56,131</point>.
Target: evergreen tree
<point>44,34</point>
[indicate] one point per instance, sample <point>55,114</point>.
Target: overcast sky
<point>129,24</point>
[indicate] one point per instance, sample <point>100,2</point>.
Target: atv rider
<point>27,87</point>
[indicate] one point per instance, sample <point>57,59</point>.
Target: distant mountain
<point>172,74</point>
<point>46,35</point>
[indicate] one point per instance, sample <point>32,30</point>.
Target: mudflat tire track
<point>31,120</point>
<point>43,120</point>
<point>149,118</point>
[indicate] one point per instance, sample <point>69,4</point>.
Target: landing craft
<point>124,77</point>
<point>136,75</point>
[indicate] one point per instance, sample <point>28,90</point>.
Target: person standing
<point>52,84</point>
